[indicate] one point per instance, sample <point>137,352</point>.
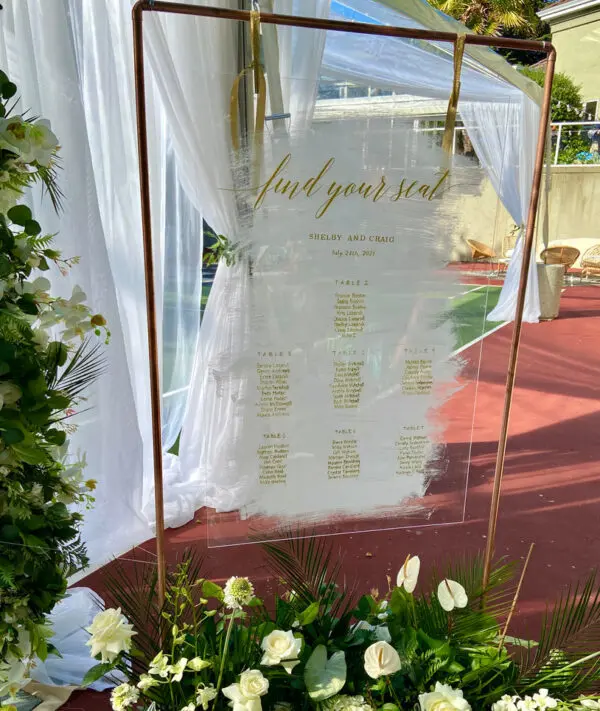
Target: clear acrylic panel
<point>343,394</point>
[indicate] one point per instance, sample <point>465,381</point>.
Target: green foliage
<point>41,385</point>
<point>493,17</point>
<point>221,249</point>
<point>567,103</point>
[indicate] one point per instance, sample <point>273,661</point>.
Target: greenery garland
<point>47,359</point>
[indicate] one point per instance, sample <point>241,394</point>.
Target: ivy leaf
<point>19,215</point>
<point>96,672</point>
<point>57,437</point>
<point>8,90</point>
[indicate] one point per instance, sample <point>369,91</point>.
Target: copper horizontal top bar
<point>337,25</point>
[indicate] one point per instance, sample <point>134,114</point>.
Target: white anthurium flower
<point>409,573</point>
<point>544,701</point>
<point>451,594</point>
<point>444,698</point>
<point>178,669</point>
<point>123,697</point>
<point>506,703</point>
<point>381,659</point>
<point>204,695</point>
<point>111,634</point>
<point>527,704</point>
<point>281,647</point>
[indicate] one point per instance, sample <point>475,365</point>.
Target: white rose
<point>253,684</point>
<point>409,573</point>
<point>451,594</point>
<point>111,635</point>
<point>245,696</point>
<point>281,647</point>
<point>381,659</point>
<point>444,698</point>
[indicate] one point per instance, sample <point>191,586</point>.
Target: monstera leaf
<point>324,677</point>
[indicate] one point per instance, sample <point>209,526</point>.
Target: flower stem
<point>223,659</point>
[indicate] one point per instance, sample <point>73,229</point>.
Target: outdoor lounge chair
<point>590,262</point>
<point>480,251</point>
<point>567,256</point>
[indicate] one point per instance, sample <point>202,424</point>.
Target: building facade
<point>575,26</point>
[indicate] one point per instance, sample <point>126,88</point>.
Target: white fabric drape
<point>505,143</point>
<point>73,60</point>
<point>36,36</point>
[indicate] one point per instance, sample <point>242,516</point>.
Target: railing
<point>576,143</point>
<point>573,142</point>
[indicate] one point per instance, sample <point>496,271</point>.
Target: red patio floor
<point>551,492</point>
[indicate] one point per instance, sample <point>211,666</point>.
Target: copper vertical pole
<point>516,339</point>
<point>155,394</point>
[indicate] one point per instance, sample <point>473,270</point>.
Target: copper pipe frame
<point>142,6</point>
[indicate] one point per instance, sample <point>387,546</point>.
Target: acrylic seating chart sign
<point>339,366</point>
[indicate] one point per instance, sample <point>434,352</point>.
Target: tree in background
<point>506,18</point>
<point>494,17</point>
<point>567,105</point>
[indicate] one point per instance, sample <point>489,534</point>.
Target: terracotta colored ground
<point>551,491</point>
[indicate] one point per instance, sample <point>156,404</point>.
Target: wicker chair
<point>590,262</point>
<point>480,251</point>
<point>567,256</point>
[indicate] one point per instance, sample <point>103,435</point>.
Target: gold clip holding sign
<point>448,140</point>
<point>260,90</point>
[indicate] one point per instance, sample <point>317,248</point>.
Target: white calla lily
<point>409,573</point>
<point>451,594</point>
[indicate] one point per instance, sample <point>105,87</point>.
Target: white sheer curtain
<point>37,39</point>
<point>503,135</point>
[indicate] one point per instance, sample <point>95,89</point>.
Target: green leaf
<point>324,677</point>
<point>96,672</point>
<point>37,386</point>
<point>8,90</point>
<point>32,228</point>
<point>19,215</point>
<point>4,368</point>
<point>12,436</point>
<point>309,614</point>
<point>210,589</point>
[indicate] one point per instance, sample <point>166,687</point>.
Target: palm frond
<point>87,364</point>
<point>566,656</point>
<point>311,568</point>
<point>48,176</point>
